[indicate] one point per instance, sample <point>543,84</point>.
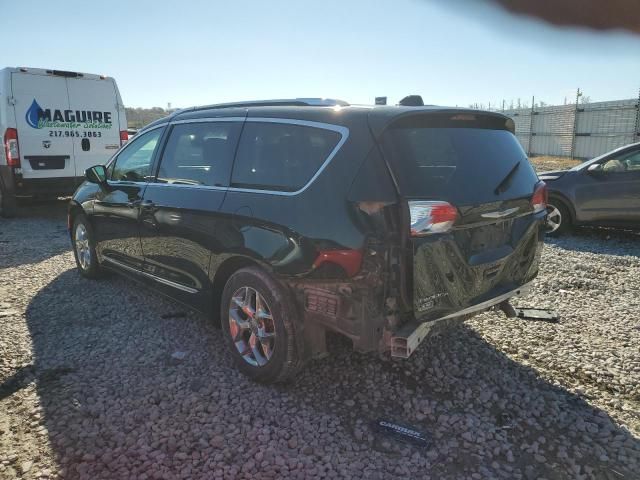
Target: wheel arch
<point>559,197</point>
<point>74,210</point>
<point>222,274</point>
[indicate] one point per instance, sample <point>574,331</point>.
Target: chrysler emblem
<point>46,143</point>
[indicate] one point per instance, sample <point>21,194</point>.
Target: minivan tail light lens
<point>429,217</point>
<point>540,198</point>
<point>124,137</point>
<point>11,148</point>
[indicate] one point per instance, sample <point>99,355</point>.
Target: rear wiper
<point>504,184</point>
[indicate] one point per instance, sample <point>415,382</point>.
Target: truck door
<point>94,105</point>
<point>46,147</point>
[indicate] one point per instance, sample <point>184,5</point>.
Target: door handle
<point>133,203</point>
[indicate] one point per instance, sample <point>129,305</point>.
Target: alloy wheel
<point>554,218</point>
<point>83,250</point>
<point>252,326</point>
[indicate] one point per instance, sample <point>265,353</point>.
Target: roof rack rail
<point>284,102</point>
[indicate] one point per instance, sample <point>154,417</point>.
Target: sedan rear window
<point>284,157</point>
<point>457,164</point>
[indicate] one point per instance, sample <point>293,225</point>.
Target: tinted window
<point>626,162</point>
<point>461,165</point>
<point>134,162</point>
<point>199,153</point>
<point>274,156</point>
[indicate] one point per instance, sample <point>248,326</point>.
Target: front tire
<point>558,218</point>
<point>84,248</point>
<point>258,321</point>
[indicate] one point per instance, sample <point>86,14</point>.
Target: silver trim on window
<point>208,120</point>
<point>343,131</point>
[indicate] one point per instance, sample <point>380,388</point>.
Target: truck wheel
<point>258,321</point>
<point>8,205</point>
<point>558,218</point>
<point>84,248</point>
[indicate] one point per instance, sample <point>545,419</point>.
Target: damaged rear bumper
<point>406,340</point>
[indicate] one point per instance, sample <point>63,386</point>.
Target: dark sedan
<point>604,191</point>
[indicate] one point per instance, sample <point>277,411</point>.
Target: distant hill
<point>139,117</point>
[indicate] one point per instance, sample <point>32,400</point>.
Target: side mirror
<point>96,174</point>
<point>595,168</point>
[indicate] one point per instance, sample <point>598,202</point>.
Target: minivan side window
<point>133,164</point>
<point>279,156</point>
<point>199,154</point>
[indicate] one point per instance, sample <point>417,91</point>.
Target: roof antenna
<point>412,101</point>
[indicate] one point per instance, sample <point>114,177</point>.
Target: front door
<point>116,209</point>
<point>179,213</point>
<point>612,195</point>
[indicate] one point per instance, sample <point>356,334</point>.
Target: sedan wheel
<point>554,218</point>
<point>558,218</point>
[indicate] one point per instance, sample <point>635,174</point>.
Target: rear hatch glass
<point>456,161</point>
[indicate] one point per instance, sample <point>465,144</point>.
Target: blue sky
<point>197,52</point>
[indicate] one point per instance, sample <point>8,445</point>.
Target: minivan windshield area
<point>461,165</point>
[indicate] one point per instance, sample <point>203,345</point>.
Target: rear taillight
<point>349,260</point>
<point>540,197</point>
<point>431,217</point>
<point>124,137</point>
<point>11,149</point>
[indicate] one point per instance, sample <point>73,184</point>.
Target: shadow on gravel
<point>38,232</point>
<point>119,405</point>
<point>606,241</point>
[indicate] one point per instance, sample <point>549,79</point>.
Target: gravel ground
<point>90,386</point>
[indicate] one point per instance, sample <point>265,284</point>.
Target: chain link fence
<point>577,130</point>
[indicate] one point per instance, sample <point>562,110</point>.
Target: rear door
<point>46,147</point>
<point>477,171</point>
<point>94,106</point>
<point>180,217</point>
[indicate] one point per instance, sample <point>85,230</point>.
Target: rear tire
<point>84,248</point>
<point>558,218</point>
<point>258,320</point>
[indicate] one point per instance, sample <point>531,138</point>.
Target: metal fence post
<point>575,124</point>
<point>637,131</point>
<point>533,101</point>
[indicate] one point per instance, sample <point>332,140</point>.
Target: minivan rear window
<point>279,156</point>
<point>457,164</point>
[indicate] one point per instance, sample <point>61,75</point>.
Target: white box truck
<point>55,124</point>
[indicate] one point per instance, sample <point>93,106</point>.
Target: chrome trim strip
<point>402,345</point>
<point>488,303</point>
<point>183,185</point>
<point>145,130</point>
<point>153,277</point>
<point>503,213</point>
<point>208,120</point>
